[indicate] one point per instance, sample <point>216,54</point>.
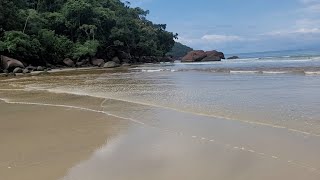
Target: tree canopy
<point>46,31</point>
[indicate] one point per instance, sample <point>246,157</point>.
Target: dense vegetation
<point>179,50</point>
<point>47,31</point>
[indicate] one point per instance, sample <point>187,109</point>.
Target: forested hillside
<point>179,50</point>
<point>47,31</point>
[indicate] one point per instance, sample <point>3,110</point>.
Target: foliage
<point>87,49</point>
<point>19,45</point>
<point>54,47</point>
<point>179,50</point>
<point>51,30</point>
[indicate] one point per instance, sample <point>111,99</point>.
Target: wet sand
<point>41,142</point>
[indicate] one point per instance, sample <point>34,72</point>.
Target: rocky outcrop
<point>233,57</point>
<point>10,64</point>
<point>194,56</point>
<point>68,62</point>
<point>199,56</point>
<point>111,64</point>
<point>215,53</point>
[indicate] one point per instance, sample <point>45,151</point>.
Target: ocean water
<point>251,118</point>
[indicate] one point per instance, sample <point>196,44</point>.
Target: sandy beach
<point>42,142</point>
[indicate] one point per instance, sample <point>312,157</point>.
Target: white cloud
<point>215,38</point>
<point>309,1</point>
<point>295,32</point>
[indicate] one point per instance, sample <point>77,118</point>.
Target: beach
<point>43,142</point>
<point>223,120</point>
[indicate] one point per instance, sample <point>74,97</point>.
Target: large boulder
<point>31,68</point>
<point>111,64</point>
<point>233,57</point>
<point>215,53</point>
<point>68,62</point>
<point>97,62</point>
<point>26,71</point>
<point>194,56</point>
<point>214,56</point>
<point>40,68</point>
<point>10,63</point>
<point>17,70</point>
<point>199,55</point>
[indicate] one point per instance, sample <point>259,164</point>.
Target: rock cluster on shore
<point>10,66</point>
<point>202,56</point>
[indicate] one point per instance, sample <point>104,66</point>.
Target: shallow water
<point>239,119</point>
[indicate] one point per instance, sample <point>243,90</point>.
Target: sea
<point>257,117</point>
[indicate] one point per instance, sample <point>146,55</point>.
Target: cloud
<point>296,32</point>
<point>221,38</point>
<point>309,1</point>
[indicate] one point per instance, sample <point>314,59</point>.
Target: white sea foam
<point>275,72</point>
<point>244,72</point>
<point>312,72</point>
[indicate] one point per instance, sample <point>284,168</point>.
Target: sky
<point>239,26</point>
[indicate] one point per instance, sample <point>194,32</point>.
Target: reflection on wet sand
<point>42,142</point>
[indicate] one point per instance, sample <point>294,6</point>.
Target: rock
<point>10,63</point>
<point>116,60</point>
<point>17,70</point>
<point>5,71</point>
<point>83,63</point>
<point>26,71</point>
<point>211,58</point>
<point>233,57</point>
<point>40,68</point>
<point>79,64</point>
<point>111,64</point>
<point>68,62</point>
<point>3,75</point>
<point>215,53</point>
<point>97,62</point>
<point>199,55</point>
<point>194,56</point>
<point>31,68</point>
<point>12,74</point>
